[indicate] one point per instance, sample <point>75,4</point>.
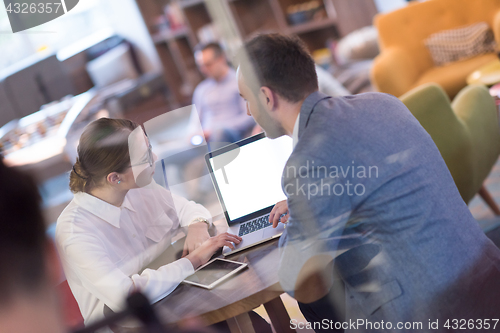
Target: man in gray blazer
<point>371,206</point>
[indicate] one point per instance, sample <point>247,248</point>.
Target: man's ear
<point>267,98</point>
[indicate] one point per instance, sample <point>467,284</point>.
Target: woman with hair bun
<point>120,220</point>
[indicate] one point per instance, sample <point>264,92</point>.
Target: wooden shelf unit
<point>166,36</point>
<point>190,3</point>
<point>336,19</point>
<point>312,26</point>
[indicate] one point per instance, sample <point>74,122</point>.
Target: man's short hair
<point>218,51</point>
<point>281,63</point>
<point>22,235</point>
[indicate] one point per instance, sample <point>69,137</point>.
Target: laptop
<point>247,179</point>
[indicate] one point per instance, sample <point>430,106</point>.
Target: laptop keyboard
<point>254,225</point>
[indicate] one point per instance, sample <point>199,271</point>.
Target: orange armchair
<point>405,63</point>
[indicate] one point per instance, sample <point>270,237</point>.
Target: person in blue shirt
<point>220,107</point>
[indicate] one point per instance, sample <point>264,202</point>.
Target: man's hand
<point>197,234</point>
<point>279,209</point>
<point>204,252</point>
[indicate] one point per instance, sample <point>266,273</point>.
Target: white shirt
<point>104,247</point>
<point>295,133</point>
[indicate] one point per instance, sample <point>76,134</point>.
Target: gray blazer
<point>367,185</point>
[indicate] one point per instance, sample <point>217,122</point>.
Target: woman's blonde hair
<point>103,149</point>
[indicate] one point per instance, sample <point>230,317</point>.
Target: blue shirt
<point>220,105</point>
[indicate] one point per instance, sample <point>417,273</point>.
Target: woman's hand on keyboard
<point>279,213</point>
<point>205,251</point>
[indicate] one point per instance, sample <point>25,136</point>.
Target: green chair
<point>466,132</point>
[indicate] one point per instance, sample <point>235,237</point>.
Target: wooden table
<point>233,299</point>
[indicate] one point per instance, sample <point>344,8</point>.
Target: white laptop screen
<point>252,180</point>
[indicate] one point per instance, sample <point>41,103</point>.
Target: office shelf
<point>166,36</point>
<point>311,26</point>
<point>175,48</point>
